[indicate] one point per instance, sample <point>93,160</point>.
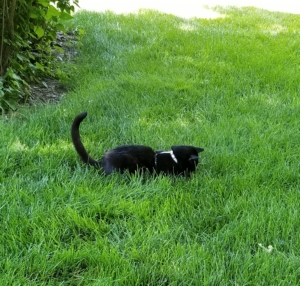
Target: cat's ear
<point>193,157</point>
<point>198,149</point>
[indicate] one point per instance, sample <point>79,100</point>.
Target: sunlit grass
<point>229,85</point>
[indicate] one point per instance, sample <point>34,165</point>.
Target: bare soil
<point>51,90</point>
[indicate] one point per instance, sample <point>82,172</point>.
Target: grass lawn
<point>230,85</point>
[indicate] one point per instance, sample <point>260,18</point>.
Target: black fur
<point>183,161</point>
<point>138,157</point>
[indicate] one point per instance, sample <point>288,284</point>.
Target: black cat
<point>181,160</point>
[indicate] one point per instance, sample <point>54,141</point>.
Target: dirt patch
<point>50,90</point>
<point>47,91</point>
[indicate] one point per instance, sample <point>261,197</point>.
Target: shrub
<point>28,29</point>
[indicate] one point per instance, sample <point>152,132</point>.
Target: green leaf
<point>15,76</point>
<point>44,3</point>
<point>39,66</point>
<point>52,35</point>
<point>65,16</point>
<point>15,84</point>
<point>11,104</point>
<point>33,15</point>
<point>60,49</point>
<point>76,2</point>
<point>39,31</point>
<point>81,32</point>
<point>60,27</point>
<point>21,58</point>
<point>30,55</point>
<point>52,12</point>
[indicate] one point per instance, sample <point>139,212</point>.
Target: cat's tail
<point>78,144</point>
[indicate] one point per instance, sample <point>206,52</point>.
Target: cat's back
<point>133,149</point>
<point>129,157</point>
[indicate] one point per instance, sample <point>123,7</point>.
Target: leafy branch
<point>28,29</point>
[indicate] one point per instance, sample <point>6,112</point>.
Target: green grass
<point>229,85</point>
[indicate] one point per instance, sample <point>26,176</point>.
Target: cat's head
<point>187,156</point>
<point>181,160</point>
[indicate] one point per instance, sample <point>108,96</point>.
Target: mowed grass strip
<point>229,85</point>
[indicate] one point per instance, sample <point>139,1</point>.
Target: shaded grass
<point>229,85</point>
